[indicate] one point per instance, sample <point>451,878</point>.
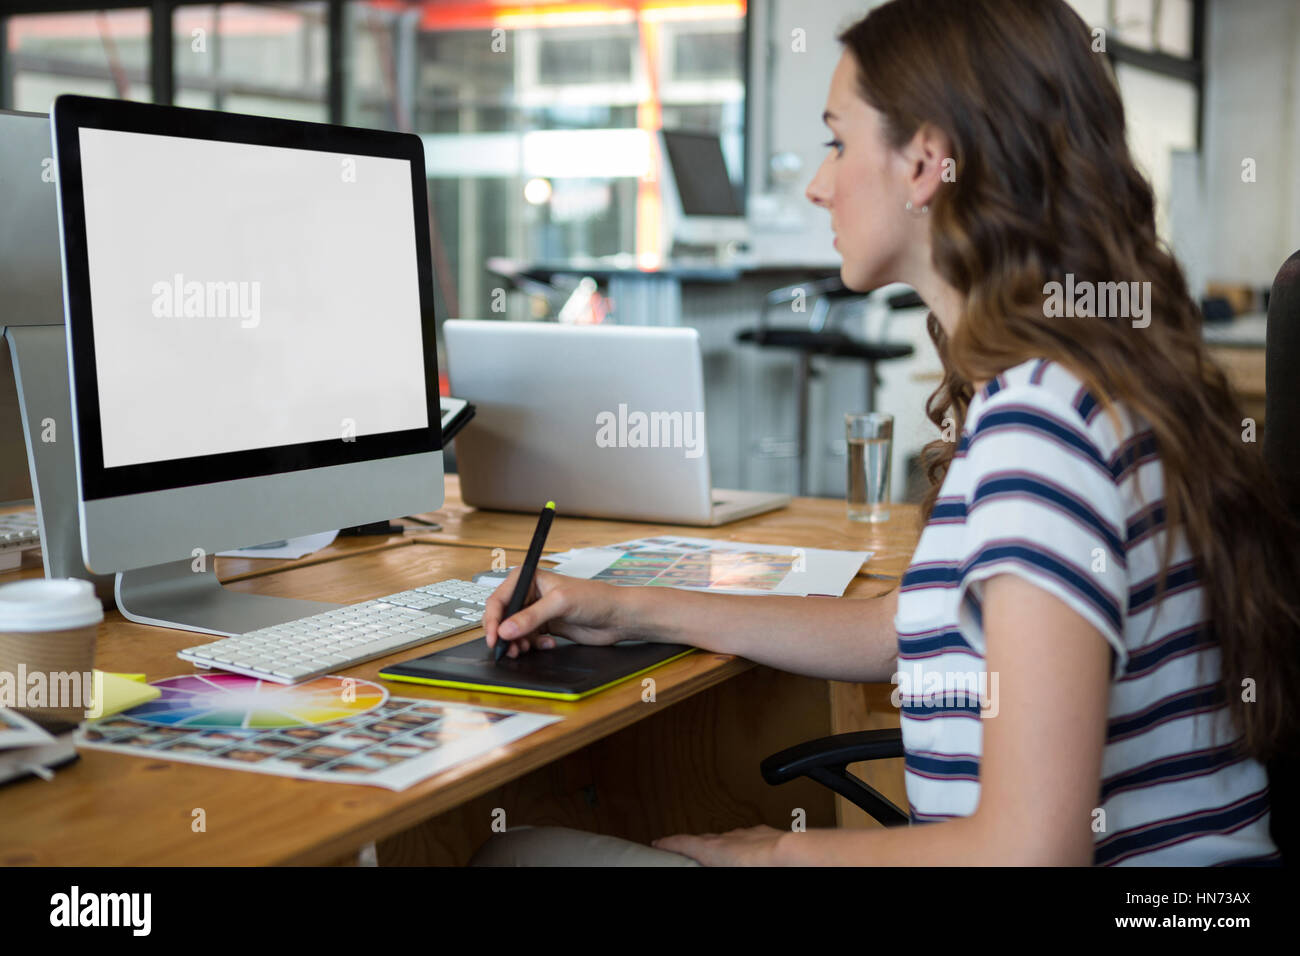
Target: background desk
<point>617,764</point>
<point>1238,346</point>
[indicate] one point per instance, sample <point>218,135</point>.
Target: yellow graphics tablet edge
<point>525,692</point>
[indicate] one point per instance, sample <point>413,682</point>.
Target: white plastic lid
<point>56,604</point>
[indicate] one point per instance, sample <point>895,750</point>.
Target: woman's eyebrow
<point>827,116</point>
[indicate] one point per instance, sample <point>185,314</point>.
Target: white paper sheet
<point>707,564</point>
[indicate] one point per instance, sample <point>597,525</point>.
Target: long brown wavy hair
<point>1044,187</point>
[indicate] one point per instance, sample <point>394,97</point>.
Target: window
<point>536,120</point>
<point>701,56</point>
<point>537,116</point>
<point>1156,26</point>
<point>1154,48</point>
<point>1161,114</point>
<point>597,57</point>
<point>267,60</point>
<point>94,53</point>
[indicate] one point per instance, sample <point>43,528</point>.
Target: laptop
<point>606,420</point>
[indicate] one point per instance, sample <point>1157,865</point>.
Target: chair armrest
<point>835,751</point>
<point>825,760</point>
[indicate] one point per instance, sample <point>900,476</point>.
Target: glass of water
<point>870,437</point>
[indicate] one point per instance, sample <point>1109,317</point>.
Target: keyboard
<point>19,531</point>
<point>334,640</point>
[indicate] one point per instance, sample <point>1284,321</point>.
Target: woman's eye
<point>839,147</point>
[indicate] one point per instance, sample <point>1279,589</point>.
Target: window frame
<point>1190,69</point>
<point>162,74</point>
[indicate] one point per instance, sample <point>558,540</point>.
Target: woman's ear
<point>929,163</point>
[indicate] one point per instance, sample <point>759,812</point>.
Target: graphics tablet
<point>567,672</point>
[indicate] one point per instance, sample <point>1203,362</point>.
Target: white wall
<point>1252,110</point>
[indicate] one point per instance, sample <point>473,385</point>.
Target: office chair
<point>816,339</point>
<point>1281,396</point>
<point>1282,453</point>
<point>826,760</point>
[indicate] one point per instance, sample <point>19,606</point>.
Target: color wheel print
<point>234,702</point>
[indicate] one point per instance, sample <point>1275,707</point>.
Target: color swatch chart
<point>233,701</point>
<point>334,729</point>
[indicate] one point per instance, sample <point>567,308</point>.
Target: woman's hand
<point>587,612</point>
<point>754,846</point>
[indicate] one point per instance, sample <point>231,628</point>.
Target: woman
<point>1099,538</point>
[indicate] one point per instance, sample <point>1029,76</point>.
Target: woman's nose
<point>816,191</point>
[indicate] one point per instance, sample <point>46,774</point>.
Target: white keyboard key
<point>292,673</point>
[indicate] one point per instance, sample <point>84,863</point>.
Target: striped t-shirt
<point>1041,486</point>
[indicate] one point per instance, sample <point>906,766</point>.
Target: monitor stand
<point>175,595</point>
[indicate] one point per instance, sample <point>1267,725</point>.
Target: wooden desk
<point>616,764</point>
<point>1244,366</point>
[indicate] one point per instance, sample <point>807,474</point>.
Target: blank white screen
<point>323,244</point>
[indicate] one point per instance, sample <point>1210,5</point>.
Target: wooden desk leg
<point>691,768</point>
<point>866,707</point>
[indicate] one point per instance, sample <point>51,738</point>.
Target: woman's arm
<point>848,639</point>
<point>1040,770</point>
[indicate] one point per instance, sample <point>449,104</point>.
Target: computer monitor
<point>700,205</point>
<point>36,460</point>
<point>31,283</point>
<point>251,343</point>
<point>15,480</point>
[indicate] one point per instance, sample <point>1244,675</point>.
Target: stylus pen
<point>525,582</point>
